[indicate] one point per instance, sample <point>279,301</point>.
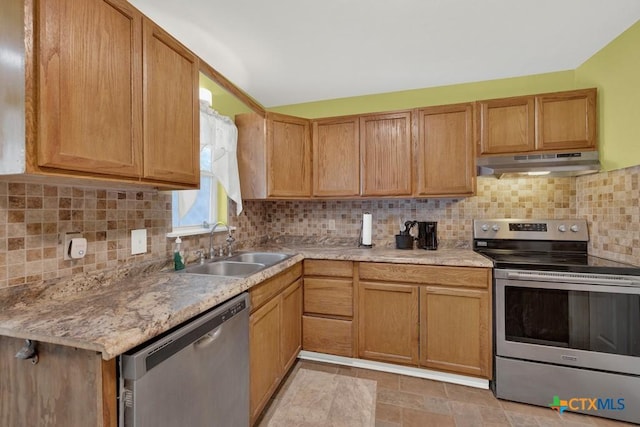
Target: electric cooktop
<point>550,245</point>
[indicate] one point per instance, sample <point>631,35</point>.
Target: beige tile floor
<point>407,401</point>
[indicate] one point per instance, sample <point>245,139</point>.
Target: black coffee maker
<point>428,235</point>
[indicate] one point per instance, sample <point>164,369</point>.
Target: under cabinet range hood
<point>540,164</point>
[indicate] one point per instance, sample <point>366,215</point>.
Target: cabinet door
<point>291,324</point>
<point>445,151</point>
<point>506,125</point>
<point>90,87</point>
<point>171,114</point>
<point>385,150</point>
<point>288,156</point>
<point>454,330</point>
<point>388,322</point>
<point>264,354</point>
<point>336,157</point>
<point>566,120</point>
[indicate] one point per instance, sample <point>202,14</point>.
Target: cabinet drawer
<point>269,288</point>
<point>315,267</point>
<point>327,335</point>
<point>328,296</point>
<point>426,274</point>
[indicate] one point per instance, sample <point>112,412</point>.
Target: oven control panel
<point>531,229</point>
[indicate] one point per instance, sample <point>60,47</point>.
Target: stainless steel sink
<point>240,265</point>
<point>266,258</point>
<point>226,268</point>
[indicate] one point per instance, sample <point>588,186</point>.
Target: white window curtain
<point>218,157</point>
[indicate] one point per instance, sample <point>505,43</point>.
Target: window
<point>191,209</point>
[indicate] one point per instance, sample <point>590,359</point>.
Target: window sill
<point>194,231</point>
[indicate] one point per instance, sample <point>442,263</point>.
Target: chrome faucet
<point>229,240</point>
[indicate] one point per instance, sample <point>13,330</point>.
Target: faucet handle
<point>200,254</point>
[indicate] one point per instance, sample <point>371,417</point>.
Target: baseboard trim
<point>395,369</point>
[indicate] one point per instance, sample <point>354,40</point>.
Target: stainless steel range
<point>566,324</point>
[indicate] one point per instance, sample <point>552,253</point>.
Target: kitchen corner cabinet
<point>68,387</point>
<point>274,156</point>
<point>274,334</point>
<point>328,309</point>
<point>446,155</point>
<point>386,154</point>
<point>123,110</point>
<point>430,316</point>
<point>336,157</point>
<point>558,121</point>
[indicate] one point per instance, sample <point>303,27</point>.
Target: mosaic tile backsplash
<point>496,198</point>
<point>610,202</point>
<point>33,217</point>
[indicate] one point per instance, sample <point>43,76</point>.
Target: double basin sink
<point>239,265</point>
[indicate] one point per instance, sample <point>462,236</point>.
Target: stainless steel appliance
<point>428,235</point>
<point>194,375</point>
<point>566,324</point>
<point>550,164</point>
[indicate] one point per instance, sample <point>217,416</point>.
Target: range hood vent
<point>544,164</point>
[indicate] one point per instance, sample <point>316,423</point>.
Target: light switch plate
<point>138,241</point>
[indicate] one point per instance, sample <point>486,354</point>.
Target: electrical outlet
<point>332,224</point>
<point>138,241</point>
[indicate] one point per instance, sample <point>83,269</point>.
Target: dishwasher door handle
<point>209,338</point>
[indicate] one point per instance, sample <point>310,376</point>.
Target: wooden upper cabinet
<point>274,156</point>
<point>90,87</point>
<point>566,120</point>
<point>445,163</point>
<point>121,102</point>
<point>171,108</point>
<point>288,156</point>
<point>558,121</point>
<point>385,154</point>
<point>506,125</point>
<point>336,157</point>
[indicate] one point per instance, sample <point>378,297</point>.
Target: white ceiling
<point>291,51</point>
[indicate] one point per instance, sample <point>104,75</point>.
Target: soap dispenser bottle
<point>178,259</point>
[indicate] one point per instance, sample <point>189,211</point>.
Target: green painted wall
<point>539,83</point>
<point>615,71</point>
<point>223,102</point>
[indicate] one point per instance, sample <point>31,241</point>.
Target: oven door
<point>572,319</point>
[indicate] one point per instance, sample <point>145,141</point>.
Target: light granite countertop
<point>112,312</point>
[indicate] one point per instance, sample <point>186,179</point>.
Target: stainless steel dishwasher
<point>195,375</point>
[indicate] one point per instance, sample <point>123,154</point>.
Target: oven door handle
<point>571,278</point>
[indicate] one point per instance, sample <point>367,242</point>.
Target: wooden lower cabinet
<point>275,334</point>
<point>291,338</point>
<point>68,387</point>
<point>264,349</point>
<point>388,322</point>
<point>438,317</point>
<point>454,330</point>
<point>327,321</point>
